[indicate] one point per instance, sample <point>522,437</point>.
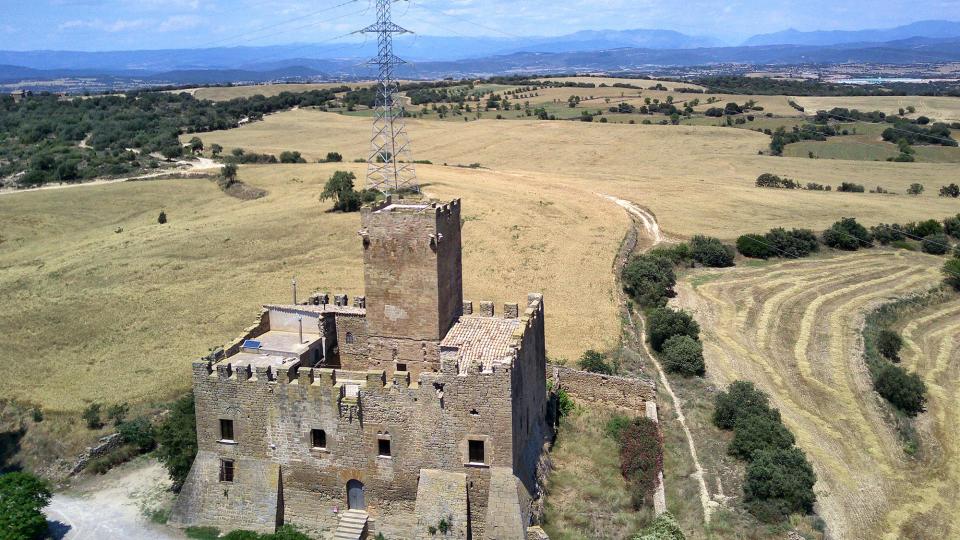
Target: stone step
<point>352,525</point>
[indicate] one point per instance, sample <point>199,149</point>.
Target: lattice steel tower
<point>390,144</point>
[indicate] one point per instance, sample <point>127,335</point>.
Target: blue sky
<point>153,24</point>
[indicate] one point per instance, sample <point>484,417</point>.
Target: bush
<point>683,355</point>
<point>906,391</point>
<point>754,432</point>
<point>177,440</point>
<point>935,244</point>
<point>664,323</point>
<point>951,226</point>
<point>664,527</point>
<point>162,218</point>
<point>755,247</point>
<point>924,228</point>
<point>848,235</point>
<point>769,180</point>
<point>118,413</point>
<point>889,344</point>
<point>951,190</point>
<point>615,426</point>
<point>885,234</point>
<point>291,157</point>
<point>138,433</point>
<point>22,499</point>
<point>649,279</point>
<point>915,189</point>
<point>741,399</point>
<point>202,533</point>
<point>595,362</point>
<point>951,273</point>
<point>565,404</point>
<point>91,415</point>
<point>641,457</point>
<point>779,482</point>
<point>792,244</point>
<point>333,157</point>
<point>850,187</point>
<point>710,252</point>
<point>677,253</point>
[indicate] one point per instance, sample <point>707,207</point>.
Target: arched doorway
<point>355,495</point>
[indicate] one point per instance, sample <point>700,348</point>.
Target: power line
<point>275,25</point>
<point>468,21</point>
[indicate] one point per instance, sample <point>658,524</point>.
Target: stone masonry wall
<point>624,392</point>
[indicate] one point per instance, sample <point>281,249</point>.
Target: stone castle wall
<point>623,392</point>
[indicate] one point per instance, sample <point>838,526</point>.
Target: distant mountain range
<point>436,57</point>
<point>927,29</point>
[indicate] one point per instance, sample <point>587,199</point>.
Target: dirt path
<point>200,165</point>
<point>794,329</point>
<point>652,230</point>
<point>110,506</point>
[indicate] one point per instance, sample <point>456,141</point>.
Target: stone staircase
<point>353,526</point>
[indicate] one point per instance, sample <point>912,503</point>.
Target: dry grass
<point>694,179</point>
<point>793,328</point>
<point>226,93</point>
<point>98,315</point>
<point>939,108</point>
<point>610,81</point>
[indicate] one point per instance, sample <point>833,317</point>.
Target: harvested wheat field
<point>695,179</point>
<point>793,328</point>
<point>943,109</point>
<point>92,314</point>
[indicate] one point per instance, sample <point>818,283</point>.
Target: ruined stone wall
<point>428,425</point>
<point>623,392</point>
<point>412,270</point>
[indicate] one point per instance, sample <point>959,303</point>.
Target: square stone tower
<point>413,264</point>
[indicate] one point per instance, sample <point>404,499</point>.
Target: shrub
<point>754,432</point>
<point>935,244</point>
<point>951,226</point>
<point>906,391</point>
<point>683,355</point>
<point>291,157</point>
<point>793,244</point>
<point>850,187</point>
<point>924,228</point>
<point>779,482</point>
<point>886,234</point>
<point>241,535</point>
<point>848,235</point>
<point>951,190</point>
<point>333,157</point>
<point>649,279</point>
<point>951,273</point>
<point>768,180</point>
<point>755,247</point>
<point>664,527</point>
<point>710,252</point>
<point>202,533</point>
<point>889,344</point>
<point>677,253</point>
<point>91,415</point>
<point>915,189</point>
<point>641,457</point>
<point>22,499</point>
<point>615,426</point>
<point>595,362</point>
<point>118,413</point>
<point>565,404</point>
<point>162,218</point>
<point>177,440</point>
<point>138,432</point>
<point>741,399</point>
<point>664,323</point>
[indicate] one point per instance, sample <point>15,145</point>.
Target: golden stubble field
<point>793,328</point>
<point>92,314</point>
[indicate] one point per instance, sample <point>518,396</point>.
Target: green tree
<point>779,482</point>
<point>848,235</point>
<point>684,355</point>
<point>754,432</point>
<point>951,226</point>
<point>710,252</point>
<point>22,499</point>
<point>906,391</point>
<point>741,398</point>
<point>339,187</point>
<point>91,415</point>
<point>664,323</point>
<point>951,273</point>
<point>291,157</point>
<point>889,344</point>
<point>915,189</point>
<point>162,218</point>
<point>229,173</point>
<point>333,157</point>
<point>196,145</point>
<point>935,244</point>
<point>950,190</point>
<point>664,527</point>
<point>595,362</point>
<point>755,247</point>
<point>649,279</point>
<point>216,150</point>
<point>138,432</point>
<point>177,440</point>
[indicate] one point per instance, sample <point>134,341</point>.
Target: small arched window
<point>350,337</point>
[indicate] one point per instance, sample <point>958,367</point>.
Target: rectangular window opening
<point>318,438</point>
<point>383,447</point>
<point>401,367</point>
<point>226,470</point>
<point>226,430</point>
<point>476,454</point>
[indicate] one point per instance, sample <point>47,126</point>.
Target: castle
<point>404,414</point>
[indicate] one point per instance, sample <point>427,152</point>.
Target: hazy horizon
<point>111,25</point>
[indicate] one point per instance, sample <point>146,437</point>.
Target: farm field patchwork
<point>793,328</point>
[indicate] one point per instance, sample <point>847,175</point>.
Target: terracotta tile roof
<point>481,341</point>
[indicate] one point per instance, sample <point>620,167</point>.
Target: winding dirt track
<point>793,328</point>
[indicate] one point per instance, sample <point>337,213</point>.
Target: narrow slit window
<point>476,452</point>
<point>226,470</point>
<point>318,438</point>
<point>383,447</point>
<point>226,430</point>
<point>349,337</point>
